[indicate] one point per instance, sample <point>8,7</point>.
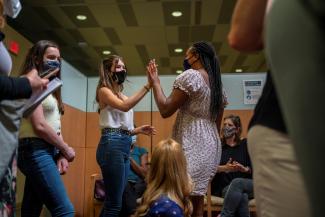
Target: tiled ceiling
<point>137,30</point>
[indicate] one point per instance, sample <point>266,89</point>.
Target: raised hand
<point>152,72</point>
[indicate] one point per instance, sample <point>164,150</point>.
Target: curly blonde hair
<point>2,19</point>
<point>167,176</point>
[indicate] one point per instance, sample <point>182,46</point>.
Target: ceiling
<point>137,30</point>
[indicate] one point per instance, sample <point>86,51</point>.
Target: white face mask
<point>12,8</point>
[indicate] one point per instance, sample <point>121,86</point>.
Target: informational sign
<point>252,90</point>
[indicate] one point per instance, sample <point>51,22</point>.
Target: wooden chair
<point>94,203</point>
<point>214,203</point>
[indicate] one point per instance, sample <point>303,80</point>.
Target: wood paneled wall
<point>73,131</point>
<point>82,132</point>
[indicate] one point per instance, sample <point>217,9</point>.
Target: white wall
<point>233,84</point>
<point>74,89</point>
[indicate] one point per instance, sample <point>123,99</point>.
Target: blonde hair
<point>167,175</point>
<point>2,19</point>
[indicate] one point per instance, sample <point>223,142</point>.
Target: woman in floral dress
<point>197,94</point>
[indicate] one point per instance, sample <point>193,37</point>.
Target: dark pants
<point>132,191</point>
<point>236,198</point>
<point>43,183</point>
<point>113,158</point>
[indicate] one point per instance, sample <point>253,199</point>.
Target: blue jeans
<point>43,183</point>
<point>113,158</point>
<point>237,196</point>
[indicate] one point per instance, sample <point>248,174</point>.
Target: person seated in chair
<point>136,179</point>
<point>233,180</point>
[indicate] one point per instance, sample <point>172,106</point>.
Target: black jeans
<point>132,192</point>
<point>236,198</point>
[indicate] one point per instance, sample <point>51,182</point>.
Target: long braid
<point>211,64</point>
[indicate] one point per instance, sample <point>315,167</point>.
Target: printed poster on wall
<point>252,90</point>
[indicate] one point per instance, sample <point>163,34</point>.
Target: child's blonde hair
<point>167,176</point>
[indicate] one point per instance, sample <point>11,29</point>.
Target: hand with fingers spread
<point>152,72</point>
<point>145,129</point>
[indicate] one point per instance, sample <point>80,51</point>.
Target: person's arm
<point>107,97</point>
<point>246,31</point>
<point>44,131</point>
<point>228,167</point>
<point>145,130</point>
<point>14,88</point>
<point>142,169</point>
<point>167,105</point>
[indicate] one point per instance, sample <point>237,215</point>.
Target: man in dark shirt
<point>296,47</point>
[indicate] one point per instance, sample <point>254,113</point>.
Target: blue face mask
<point>51,65</point>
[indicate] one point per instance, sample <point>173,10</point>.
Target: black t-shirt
<point>238,153</point>
<point>14,88</point>
<point>267,111</point>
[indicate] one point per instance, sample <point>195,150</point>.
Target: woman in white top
<point>116,122</point>
<point>39,139</point>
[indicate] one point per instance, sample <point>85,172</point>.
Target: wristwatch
<point>2,36</point>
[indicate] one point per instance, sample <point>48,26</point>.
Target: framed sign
<point>252,90</point>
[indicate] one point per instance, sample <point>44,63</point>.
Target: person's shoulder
<point>164,206</point>
<point>188,73</point>
<point>140,148</point>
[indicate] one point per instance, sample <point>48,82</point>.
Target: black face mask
<point>186,64</point>
<point>119,77</point>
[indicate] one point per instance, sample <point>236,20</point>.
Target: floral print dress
<point>195,130</point>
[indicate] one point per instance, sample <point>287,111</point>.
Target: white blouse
<point>110,117</point>
<point>51,115</point>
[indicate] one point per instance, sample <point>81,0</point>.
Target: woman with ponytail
<point>197,94</point>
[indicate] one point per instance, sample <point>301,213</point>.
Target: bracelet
<point>147,89</point>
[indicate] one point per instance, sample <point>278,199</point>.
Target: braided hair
<point>210,62</point>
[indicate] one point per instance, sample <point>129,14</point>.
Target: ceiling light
<point>106,52</point>
<point>177,13</point>
<point>178,50</point>
<point>82,44</point>
<point>179,71</point>
<point>238,70</point>
<point>81,17</point>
